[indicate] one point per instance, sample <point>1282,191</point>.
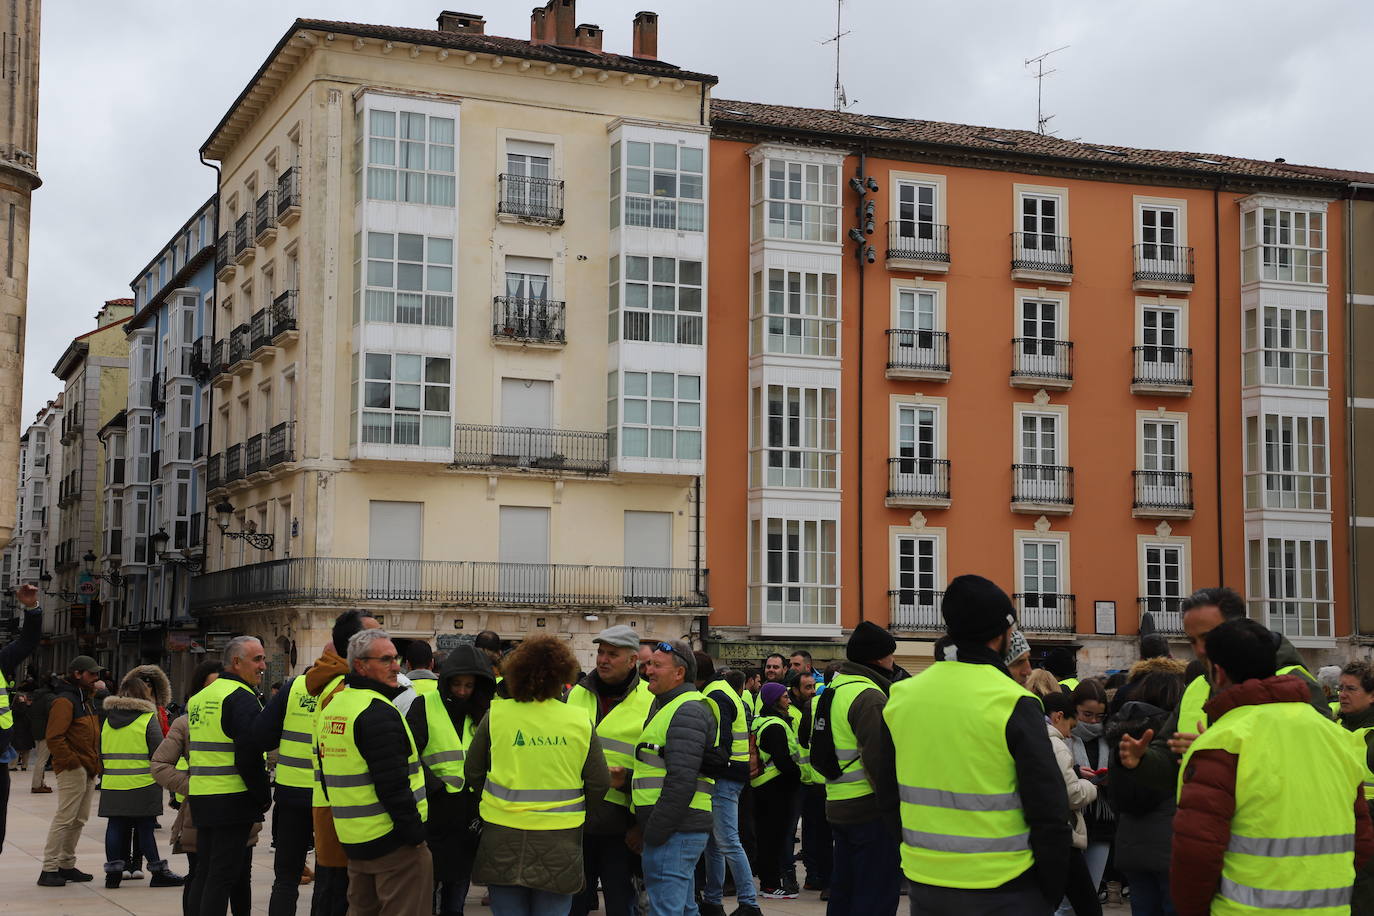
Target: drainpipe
<point>859,414</point>
<point>1351,478</point>
<point>1216,374</point>
<point>210,409</point>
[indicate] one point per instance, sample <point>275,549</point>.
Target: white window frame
<point>392,151</point>
<point>1290,471</point>
<point>795,200</point>
<point>807,590</point>
<point>658,308</point>
<point>379,264</point>
<point>796,312</point>
<point>1161,600</point>
<point>1038,354</point>
<point>797,446</point>
<point>914,595</point>
<point>685,432</point>
<point>367,388</point>
<point>1035,616</point>
<point>642,186</point>
<point>1285,345</point>
<point>1293,599</point>
<point>1284,244</point>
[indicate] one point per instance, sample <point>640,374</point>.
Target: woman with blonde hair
<point>1042,683</point>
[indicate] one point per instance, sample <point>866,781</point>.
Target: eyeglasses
<point>384,659</point>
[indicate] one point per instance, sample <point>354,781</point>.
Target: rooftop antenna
<point>841,100</point>
<point>1042,120</point>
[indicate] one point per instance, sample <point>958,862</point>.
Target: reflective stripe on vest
<point>211,751</point>
<point>1190,712</point>
<point>538,750</point>
<point>124,755</point>
<point>317,799</point>
<point>1359,746</point>
<point>770,769</point>
<point>739,725</point>
<point>852,781</point>
<point>962,824</point>
<point>650,767</point>
<point>359,815</point>
<point>6,713</point>
<point>445,750</point>
<point>1288,850</point>
<point>294,752</point>
<point>618,730</point>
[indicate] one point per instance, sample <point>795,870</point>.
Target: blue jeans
<point>118,832</point>
<point>725,846</point>
<point>867,874</point>
<point>1150,893</point>
<point>513,900</point>
<point>670,874</point>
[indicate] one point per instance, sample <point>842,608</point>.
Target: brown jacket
<point>74,730</point>
<point>328,851</point>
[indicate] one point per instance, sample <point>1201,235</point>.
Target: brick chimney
<point>560,22</point>
<point>646,35</point>
<point>468,23</point>
<point>588,37</point>
<point>537,26</point>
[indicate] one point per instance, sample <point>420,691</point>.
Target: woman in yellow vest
<point>442,724</point>
<point>775,790</point>
<point>539,764</point>
<point>129,799</point>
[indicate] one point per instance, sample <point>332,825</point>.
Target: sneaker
<point>51,879</point>
<point>41,790</point>
<point>777,893</point>
<point>74,874</point>
<point>166,878</point>
<point>789,885</point>
<point>711,909</point>
<point>137,874</point>
<point>112,879</point>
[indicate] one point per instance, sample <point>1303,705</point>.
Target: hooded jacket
<point>121,712</point>
<point>330,665</point>
<point>74,729</point>
<point>1145,817</point>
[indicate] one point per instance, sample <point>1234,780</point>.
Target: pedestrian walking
<point>442,724</point>
<point>40,704</point>
<point>1060,717</point>
<point>370,774</point>
<point>540,766</point>
<point>984,808</point>
<point>74,742</point>
<point>774,789</point>
<point>11,655</point>
<point>1246,838</point>
<point>616,702</point>
<point>229,791</point>
<point>130,800</point>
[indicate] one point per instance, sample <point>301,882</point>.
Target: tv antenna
<point>1042,120</point>
<point>841,100</point>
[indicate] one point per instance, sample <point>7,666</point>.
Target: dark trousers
<point>747,837</point>
<point>4,801</point>
<point>330,896</point>
<point>120,832</point>
<point>1150,895</point>
<point>221,856</point>
<point>608,859</point>
<point>1082,891</point>
<point>866,875</point>
<point>293,830</point>
<point>817,851</point>
<point>773,827</point>
<point>1016,898</point>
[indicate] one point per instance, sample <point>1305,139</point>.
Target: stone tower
<point>19,27</point>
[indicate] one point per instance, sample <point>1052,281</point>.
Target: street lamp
<point>159,541</point>
<point>113,577</point>
<point>224,514</point>
<point>46,579</point>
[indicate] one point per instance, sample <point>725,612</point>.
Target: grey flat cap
<point>619,635</point>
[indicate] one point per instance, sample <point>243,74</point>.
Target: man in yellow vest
<point>420,667</point>
<point>229,789</point>
<point>1271,811</point>
<point>616,700</point>
<point>10,657</point>
<point>371,777</point>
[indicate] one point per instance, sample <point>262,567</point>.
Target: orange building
<point>1100,376</point>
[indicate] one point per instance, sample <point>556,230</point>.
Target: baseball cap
<point>84,663</point>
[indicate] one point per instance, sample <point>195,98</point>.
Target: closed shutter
<point>524,553</point>
<point>394,549</point>
<point>648,556</point>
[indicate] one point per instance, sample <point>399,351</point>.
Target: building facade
<point>417,405</point>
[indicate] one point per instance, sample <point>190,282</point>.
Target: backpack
<point>823,758</point>
<point>715,759</point>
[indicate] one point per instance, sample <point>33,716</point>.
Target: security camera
<point>869,226</point>
<point>870,255</point>
<point>857,184</point>
<point>872,185</point>
<point>856,235</point>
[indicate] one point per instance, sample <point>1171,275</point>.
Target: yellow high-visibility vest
<point>211,750</point>
<point>1190,712</point>
<point>770,769</point>
<point>651,768</point>
<point>445,750</point>
<point>317,799</point>
<point>538,750</point>
<point>124,756</point>
<point>618,730</point>
<point>853,781</point>
<point>294,766</point>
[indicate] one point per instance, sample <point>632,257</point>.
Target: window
<point>918,571</point>
<point>1159,233</point>
<point>1290,583</point>
<point>662,300</point>
<point>529,168</point>
<point>1039,326</point>
<point>1288,348</point>
<point>916,440</point>
<point>1041,574</point>
<point>796,200</point>
<point>114,465</point>
<point>794,571</point>
<point>916,211</point>
<point>1285,461</point>
<point>798,314</point>
<point>1287,245</point>
<point>663,185</point>
<point>1039,222</point>
<point>794,437</point>
<point>1039,445</point>
<point>1159,445</point>
<point>410,158</point>
<point>408,279</point>
<point>1164,586</point>
<point>661,416</point>
<point>406,399</point>
<point>1159,333</point>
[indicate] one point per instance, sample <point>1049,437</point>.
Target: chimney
<point>588,37</point>
<point>537,25</point>
<point>560,22</point>
<point>646,35</point>
<point>467,23</point>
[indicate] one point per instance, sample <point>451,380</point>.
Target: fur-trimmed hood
<point>155,678</point>
<point>120,711</point>
<point>1161,665</point>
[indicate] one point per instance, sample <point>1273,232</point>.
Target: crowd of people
<point>663,782</point>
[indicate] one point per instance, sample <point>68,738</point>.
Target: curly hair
<point>538,669</point>
<point>1363,672</point>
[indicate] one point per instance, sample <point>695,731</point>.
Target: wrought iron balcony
<point>1162,370</point>
<point>214,474</point>
<point>1165,612</point>
<point>283,313</point>
<point>534,199</point>
<point>1036,253</point>
<point>917,482</point>
<point>281,443</point>
<point>200,358</point>
<point>265,213</point>
<point>528,320</point>
<point>1163,494</point>
<point>289,194</point>
<point>1039,362</point>
<point>252,454</point>
<point>926,244</point>
<point>261,329</point>
<point>233,463</point>
<point>224,254</point>
<point>1167,267</point>
<point>198,442</point>
<point>1042,488</point>
<point>915,609</point>
<point>240,344</point>
<point>157,391</point>
<point>1040,612</point>
<point>532,448</point>
<point>220,359</point>
<point>328,580</point>
<point>917,354</point>
<point>243,237</point>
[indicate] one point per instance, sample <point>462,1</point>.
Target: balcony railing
<point>288,190</point>
<point>281,443</point>
<point>528,447</point>
<point>1042,484</point>
<point>284,313</point>
<point>1165,611</point>
<point>1158,263</point>
<point>538,199</point>
<point>214,475</point>
<point>1040,612</point>
<point>260,329</point>
<point>240,343</point>
<point>233,463</point>
<point>531,320</point>
<point>198,442</point>
<point>912,241</point>
<point>252,454</point>
<point>915,609</point>
<point>265,213</point>
<point>917,478</point>
<point>1165,367</point>
<point>220,360</point>
<point>224,252</point>
<point>917,351</point>
<point>1042,358</point>
<point>243,234</point>
<point>340,580</point>
<point>1041,252</point>
<point>197,524</point>
<point>1167,490</point>
<point>157,390</point>
<point>200,358</point>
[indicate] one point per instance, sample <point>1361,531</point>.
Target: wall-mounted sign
<point>1105,612</point>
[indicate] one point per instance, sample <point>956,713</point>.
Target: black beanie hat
<point>868,643</point>
<point>976,609</point>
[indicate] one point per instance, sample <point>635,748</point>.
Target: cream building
<point>416,406</point>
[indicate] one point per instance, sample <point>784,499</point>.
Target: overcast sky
<point>130,89</point>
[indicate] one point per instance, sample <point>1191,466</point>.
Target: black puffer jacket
<point>1145,815</point>
<point>689,732</point>
<point>13,654</point>
<point>384,746</point>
